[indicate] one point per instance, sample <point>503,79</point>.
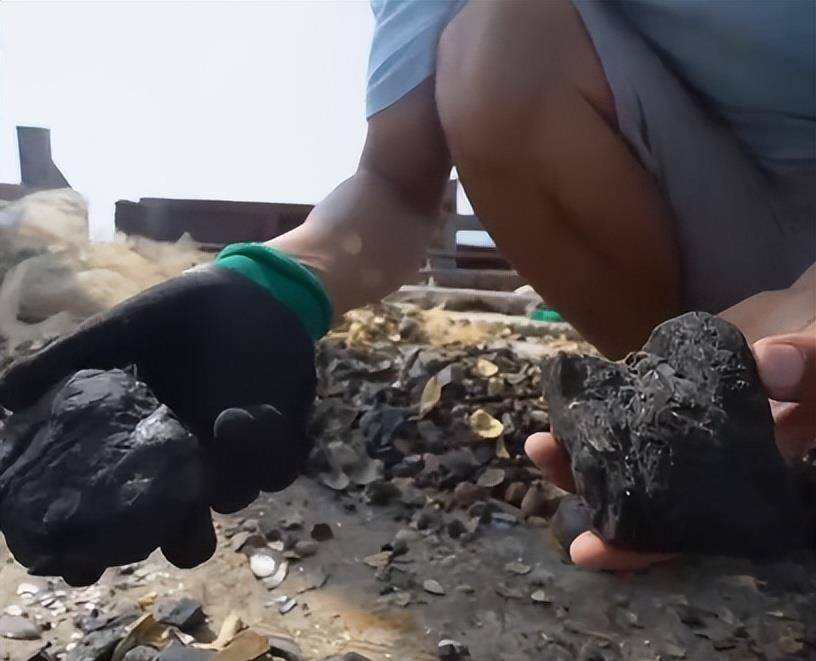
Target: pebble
<point>185,613</point>
<point>491,477</point>
<point>409,467</point>
<point>321,532</point>
<point>427,519</point>
<point>515,493</point>
<point>314,579</point>
<point>433,587</point>
<point>541,499</point>
<point>413,497</point>
<point>29,588</point>
<point>518,568</point>
<point>262,565</point>
<point>306,548</point>
<point>278,577</point>
<point>141,653</point>
<point>250,525</point>
<point>452,650</point>
<point>18,628</point>
<point>504,590</point>
<point>378,560</point>
<point>540,597</point>
<point>95,645</point>
<point>456,528</point>
<point>284,647</point>
<point>285,604</point>
<point>380,492</point>
<point>406,535</point>
<point>238,540</point>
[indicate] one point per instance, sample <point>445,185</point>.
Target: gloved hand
<point>220,349</point>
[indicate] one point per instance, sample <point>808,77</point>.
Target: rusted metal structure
<point>37,168</point>
<point>213,223</point>
<point>450,264</point>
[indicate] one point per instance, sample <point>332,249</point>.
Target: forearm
<point>363,241</point>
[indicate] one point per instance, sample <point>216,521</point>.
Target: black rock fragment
<point>284,647</point>
<point>673,449</point>
<point>96,473</point>
<point>186,614</point>
<point>452,650</point>
<point>141,653</point>
<point>322,532</point>
<point>96,646</point>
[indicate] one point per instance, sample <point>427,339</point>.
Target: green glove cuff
<point>284,278</point>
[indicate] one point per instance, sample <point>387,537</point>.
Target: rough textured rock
<point>284,647</point>
<point>96,645</point>
<point>141,653</point>
<point>21,628</point>
<point>673,448</point>
<point>97,473</point>
<point>185,613</point>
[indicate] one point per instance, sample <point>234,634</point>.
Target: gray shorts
<point>740,230</point>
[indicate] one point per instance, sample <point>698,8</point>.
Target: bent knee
<point>505,74</point>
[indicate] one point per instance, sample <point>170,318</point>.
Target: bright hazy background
<point>219,100</point>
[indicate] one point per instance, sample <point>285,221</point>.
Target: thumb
<point>787,365</point>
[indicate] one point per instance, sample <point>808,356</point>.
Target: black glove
<point>234,364</point>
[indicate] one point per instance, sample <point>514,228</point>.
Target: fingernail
<point>781,367</point>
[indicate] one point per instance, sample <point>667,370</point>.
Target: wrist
<point>284,278</point>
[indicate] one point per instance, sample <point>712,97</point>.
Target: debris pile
<point>167,629</point>
<point>53,277</point>
<point>418,534</point>
<point>439,430</point>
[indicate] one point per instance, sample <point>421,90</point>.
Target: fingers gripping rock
<point>673,449</point>
<point>96,473</point>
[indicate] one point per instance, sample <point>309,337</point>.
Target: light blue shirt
<point>753,62</point>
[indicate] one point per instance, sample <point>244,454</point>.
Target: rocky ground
<point>420,532</point>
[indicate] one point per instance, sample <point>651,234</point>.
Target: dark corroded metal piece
<point>673,449</point>
<point>97,473</point>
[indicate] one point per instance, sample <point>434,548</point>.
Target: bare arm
<point>369,235</point>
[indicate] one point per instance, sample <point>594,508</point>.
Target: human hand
<point>787,368</point>
<point>781,325</point>
<point>585,548</point>
<point>231,362</point>
<point>97,474</point>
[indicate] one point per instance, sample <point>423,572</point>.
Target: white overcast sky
<point>220,100</point>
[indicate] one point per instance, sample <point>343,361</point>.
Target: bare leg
<point>529,120</point>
